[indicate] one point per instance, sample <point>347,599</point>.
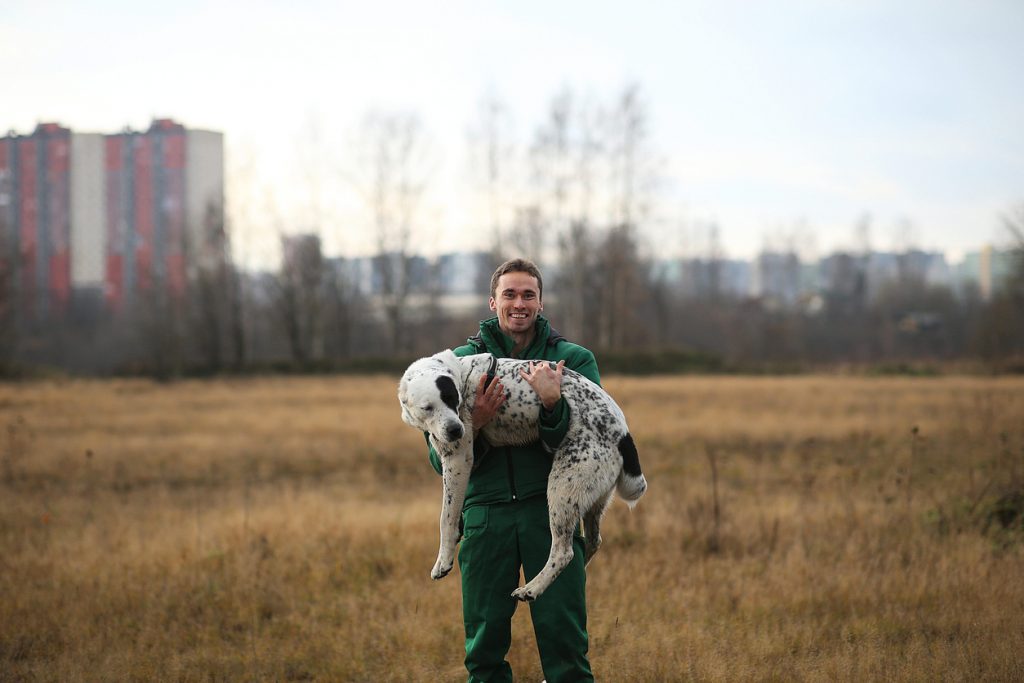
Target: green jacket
<point>508,473</point>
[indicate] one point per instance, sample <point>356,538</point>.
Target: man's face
<point>517,302</point>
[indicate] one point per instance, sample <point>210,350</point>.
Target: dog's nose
<point>454,431</point>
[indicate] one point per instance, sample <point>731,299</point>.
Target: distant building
<point>464,273</point>
<point>383,273</point>
<point>164,207</point>
<point>987,269</point>
<point>35,217</point>
<point>844,278</point>
<point>118,213</point>
<point>301,256</point>
<point>455,283</point>
<point>702,278</point>
<point>352,274</point>
<point>777,277</point>
<point>883,269</point>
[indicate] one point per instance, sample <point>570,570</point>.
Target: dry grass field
<point>799,528</point>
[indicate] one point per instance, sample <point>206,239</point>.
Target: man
<point>505,516</point>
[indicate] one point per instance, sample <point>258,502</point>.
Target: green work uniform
<point>505,527</point>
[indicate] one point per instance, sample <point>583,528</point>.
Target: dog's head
<point>429,394</point>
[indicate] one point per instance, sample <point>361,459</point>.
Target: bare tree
<point>313,168</point>
<point>562,160</point>
<point>343,303</point>
<point>215,302</point>
<point>1014,225</point>
<point>578,263</point>
<point>528,230</point>
<point>395,167</point>
<point>584,154</point>
<point>862,236</point>
<point>631,176</point>
<point>630,166</point>
<point>621,288</point>
<point>242,208</point>
<point>235,303</point>
<point>299,295</point>
<point>1013,222</point>
<point>1000,334</point>
<point>491,150</point>
<point>552,173</point>
<point>157,321</point>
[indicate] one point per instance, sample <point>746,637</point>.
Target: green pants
<point>497,540</point>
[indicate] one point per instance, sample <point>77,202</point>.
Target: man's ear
<point>492,304</point>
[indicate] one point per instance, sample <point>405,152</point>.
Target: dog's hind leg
<point>455,469</point>
<point>592,526</point>
<point>558,558</point>
<point>564,514</point>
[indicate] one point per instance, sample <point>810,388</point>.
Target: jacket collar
<point>492,339</point>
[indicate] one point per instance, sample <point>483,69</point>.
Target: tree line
<point>578,197</point>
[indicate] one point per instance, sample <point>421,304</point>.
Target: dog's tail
<point>631,484</point>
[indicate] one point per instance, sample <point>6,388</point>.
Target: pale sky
<point>794,117</point>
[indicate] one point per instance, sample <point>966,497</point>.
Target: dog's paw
<point>440,570</point>
<point>523,595</point>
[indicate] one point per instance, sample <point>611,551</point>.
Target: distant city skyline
<point>466,273</point>
<point>792,120</point>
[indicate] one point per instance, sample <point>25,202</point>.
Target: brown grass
<point>283,529</point>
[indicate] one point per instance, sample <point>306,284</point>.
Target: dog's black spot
<point>449,394</point>
<point>630,458</point>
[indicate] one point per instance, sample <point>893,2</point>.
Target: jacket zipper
<point>511,474</point>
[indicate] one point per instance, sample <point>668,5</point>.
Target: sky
<point>784,121</point>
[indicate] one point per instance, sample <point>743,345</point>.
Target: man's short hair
<point>517,265</point>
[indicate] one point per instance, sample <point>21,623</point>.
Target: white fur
<point>586,467</point>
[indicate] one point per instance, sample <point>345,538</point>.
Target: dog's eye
<point>428,409</point>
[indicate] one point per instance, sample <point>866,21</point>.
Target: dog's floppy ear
<point>403,387</point>
<point>451,361</point>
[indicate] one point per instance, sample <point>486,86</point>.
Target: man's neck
<point>521,341</point>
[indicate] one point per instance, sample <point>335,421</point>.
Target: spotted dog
<point>596,456</point>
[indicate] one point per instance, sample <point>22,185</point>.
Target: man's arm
<point>554,420</point>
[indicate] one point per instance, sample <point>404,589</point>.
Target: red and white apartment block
<point>120,213</point>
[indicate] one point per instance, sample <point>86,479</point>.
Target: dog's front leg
<point>455,468</point>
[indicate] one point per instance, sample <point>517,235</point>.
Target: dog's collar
<point>492,370</point>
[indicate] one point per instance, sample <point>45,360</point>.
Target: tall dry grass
<point>283,529</point>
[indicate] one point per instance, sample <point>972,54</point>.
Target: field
<point>799,528</point>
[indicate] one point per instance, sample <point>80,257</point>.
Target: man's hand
<point>488,401</point>
<point>546,380</point>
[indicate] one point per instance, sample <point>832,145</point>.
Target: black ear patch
<point>449,394</point>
